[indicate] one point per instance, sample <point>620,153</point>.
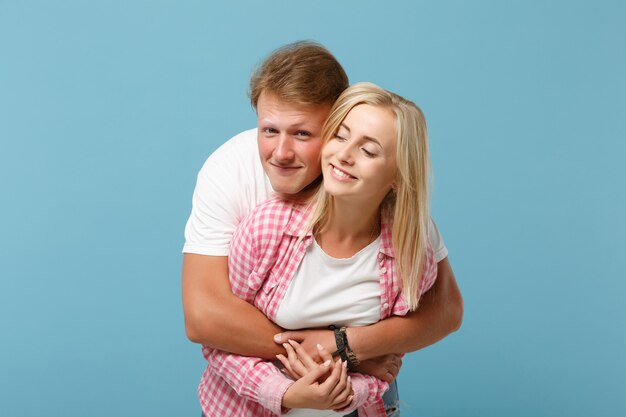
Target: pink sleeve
<point>367,391</point>
<point>252,378</point>
<point>243,259</point>
<point>253,248</point>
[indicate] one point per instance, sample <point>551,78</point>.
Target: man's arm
<point>440,313</point>
<point>215,317</point>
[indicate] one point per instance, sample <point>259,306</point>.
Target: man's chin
<point>286,189</point>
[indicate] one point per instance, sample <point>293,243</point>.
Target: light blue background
<point>109,108</point>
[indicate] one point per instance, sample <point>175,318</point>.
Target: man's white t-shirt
<point>230,184</point>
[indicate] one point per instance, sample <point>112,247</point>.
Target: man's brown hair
<point>302,73</point>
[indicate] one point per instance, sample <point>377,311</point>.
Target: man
<point>293,92</point>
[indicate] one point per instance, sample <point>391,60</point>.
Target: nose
<point>283,153</point>
<point>345,155</point>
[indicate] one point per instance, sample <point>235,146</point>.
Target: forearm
<point>251,378</point>
<point>232,325</point>
<point>439,314</point>
<point>215,317</point>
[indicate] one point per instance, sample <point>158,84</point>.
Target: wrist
<point>272,392</point>
<point>358,337</point>
<point>354,336</point>
<point>344,350</point>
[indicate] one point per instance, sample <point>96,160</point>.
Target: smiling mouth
<point>338,173</point>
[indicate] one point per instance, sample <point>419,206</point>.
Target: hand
<point>309,339</point>
<point>298,362</point>
<point>335,392</point>
<point>383,367</point>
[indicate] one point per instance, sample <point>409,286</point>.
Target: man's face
<point>290,139</point>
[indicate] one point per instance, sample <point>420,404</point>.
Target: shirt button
<point>383,270</point>
<point>381,256</point>
<point>386,305</point>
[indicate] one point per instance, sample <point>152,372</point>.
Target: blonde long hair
<point>409,202</point>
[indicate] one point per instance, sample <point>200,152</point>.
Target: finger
<point>304,357</point>
<point>296,365</point>
<point>387,377</point>
<point>324,354</point>
<point>345,397</point>
<point>393,369</point>
<point>328,385</point>
<point>285,336</point>
<point>316,373</point>
<point>287,367</point>
<point>341,384</point>
<point>344,404</point>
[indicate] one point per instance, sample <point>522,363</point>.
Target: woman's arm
<point>439,314</point>
<point>322,386</point>
<point>364,390</point>
<point>251,378</point>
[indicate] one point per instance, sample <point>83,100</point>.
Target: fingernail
<point>327,363</point>
<point>319,347</point>
<point>285,345</point>
<point>345,364</point>
<point>278,338</point>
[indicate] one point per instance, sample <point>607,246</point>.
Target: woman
<point>353,254</point>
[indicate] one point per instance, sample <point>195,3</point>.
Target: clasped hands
<point>321,381</point>
<point>322,386</point>
<point>384,367</point>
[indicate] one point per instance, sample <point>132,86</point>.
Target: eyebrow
<point>367,138</point>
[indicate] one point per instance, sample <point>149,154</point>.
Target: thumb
<point>285,336</point>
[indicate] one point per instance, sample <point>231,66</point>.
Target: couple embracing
<point>311,261</point>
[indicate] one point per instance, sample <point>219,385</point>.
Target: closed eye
<point>368,153</point>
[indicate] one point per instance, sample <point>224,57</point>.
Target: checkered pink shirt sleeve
<point>251,378</point>
<point>253,247</point>
<point>429,276</point>
<point>367,393</point>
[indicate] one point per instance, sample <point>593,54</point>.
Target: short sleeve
<point>436,242</point>
<point>229,185</point>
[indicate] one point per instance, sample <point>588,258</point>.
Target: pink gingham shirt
<point>264,256</point>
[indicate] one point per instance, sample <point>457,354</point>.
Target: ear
<point>394,185</point>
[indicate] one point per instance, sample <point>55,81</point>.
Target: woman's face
<point>359,161</point>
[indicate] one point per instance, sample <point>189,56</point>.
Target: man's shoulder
<point>236,165</point>
<point>240,145</point>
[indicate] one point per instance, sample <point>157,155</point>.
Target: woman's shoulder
<point>276,215</point>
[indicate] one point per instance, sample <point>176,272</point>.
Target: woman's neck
<point>351,227</point>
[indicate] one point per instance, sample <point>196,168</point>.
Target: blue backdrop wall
<point>109,108</point>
